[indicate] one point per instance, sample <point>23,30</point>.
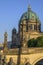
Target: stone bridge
<point>32,56</point>
<point>26,55</point>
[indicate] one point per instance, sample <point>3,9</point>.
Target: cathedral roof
<point>29,15</point>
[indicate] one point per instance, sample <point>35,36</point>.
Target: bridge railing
<point>35,50</point>
<point>24,50</point>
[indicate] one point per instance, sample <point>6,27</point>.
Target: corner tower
<point>29,26</point>
<point>5,45</point>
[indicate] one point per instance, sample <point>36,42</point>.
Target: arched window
<point>30,26</point>
<point>35,27</point>
<point>27,26</point>
<point>39,27</point>
<point>21,28</point>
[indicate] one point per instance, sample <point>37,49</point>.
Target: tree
<point>32,42</point>
<point>38,42</point>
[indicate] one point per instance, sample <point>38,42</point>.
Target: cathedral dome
<point>29,15</point>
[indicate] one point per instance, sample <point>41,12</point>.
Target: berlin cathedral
<point>29,27</point>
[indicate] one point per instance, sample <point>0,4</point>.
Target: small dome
<point>29,15</point>
<point>14,30</point>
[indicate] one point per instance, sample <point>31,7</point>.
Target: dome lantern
<point>29,7</point>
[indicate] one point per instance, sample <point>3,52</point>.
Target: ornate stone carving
<point>11,62</point>
<point>27,61</point>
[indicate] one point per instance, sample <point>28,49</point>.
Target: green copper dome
<point>29,15</point>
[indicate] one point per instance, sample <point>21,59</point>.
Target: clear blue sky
<point>11,11</point>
